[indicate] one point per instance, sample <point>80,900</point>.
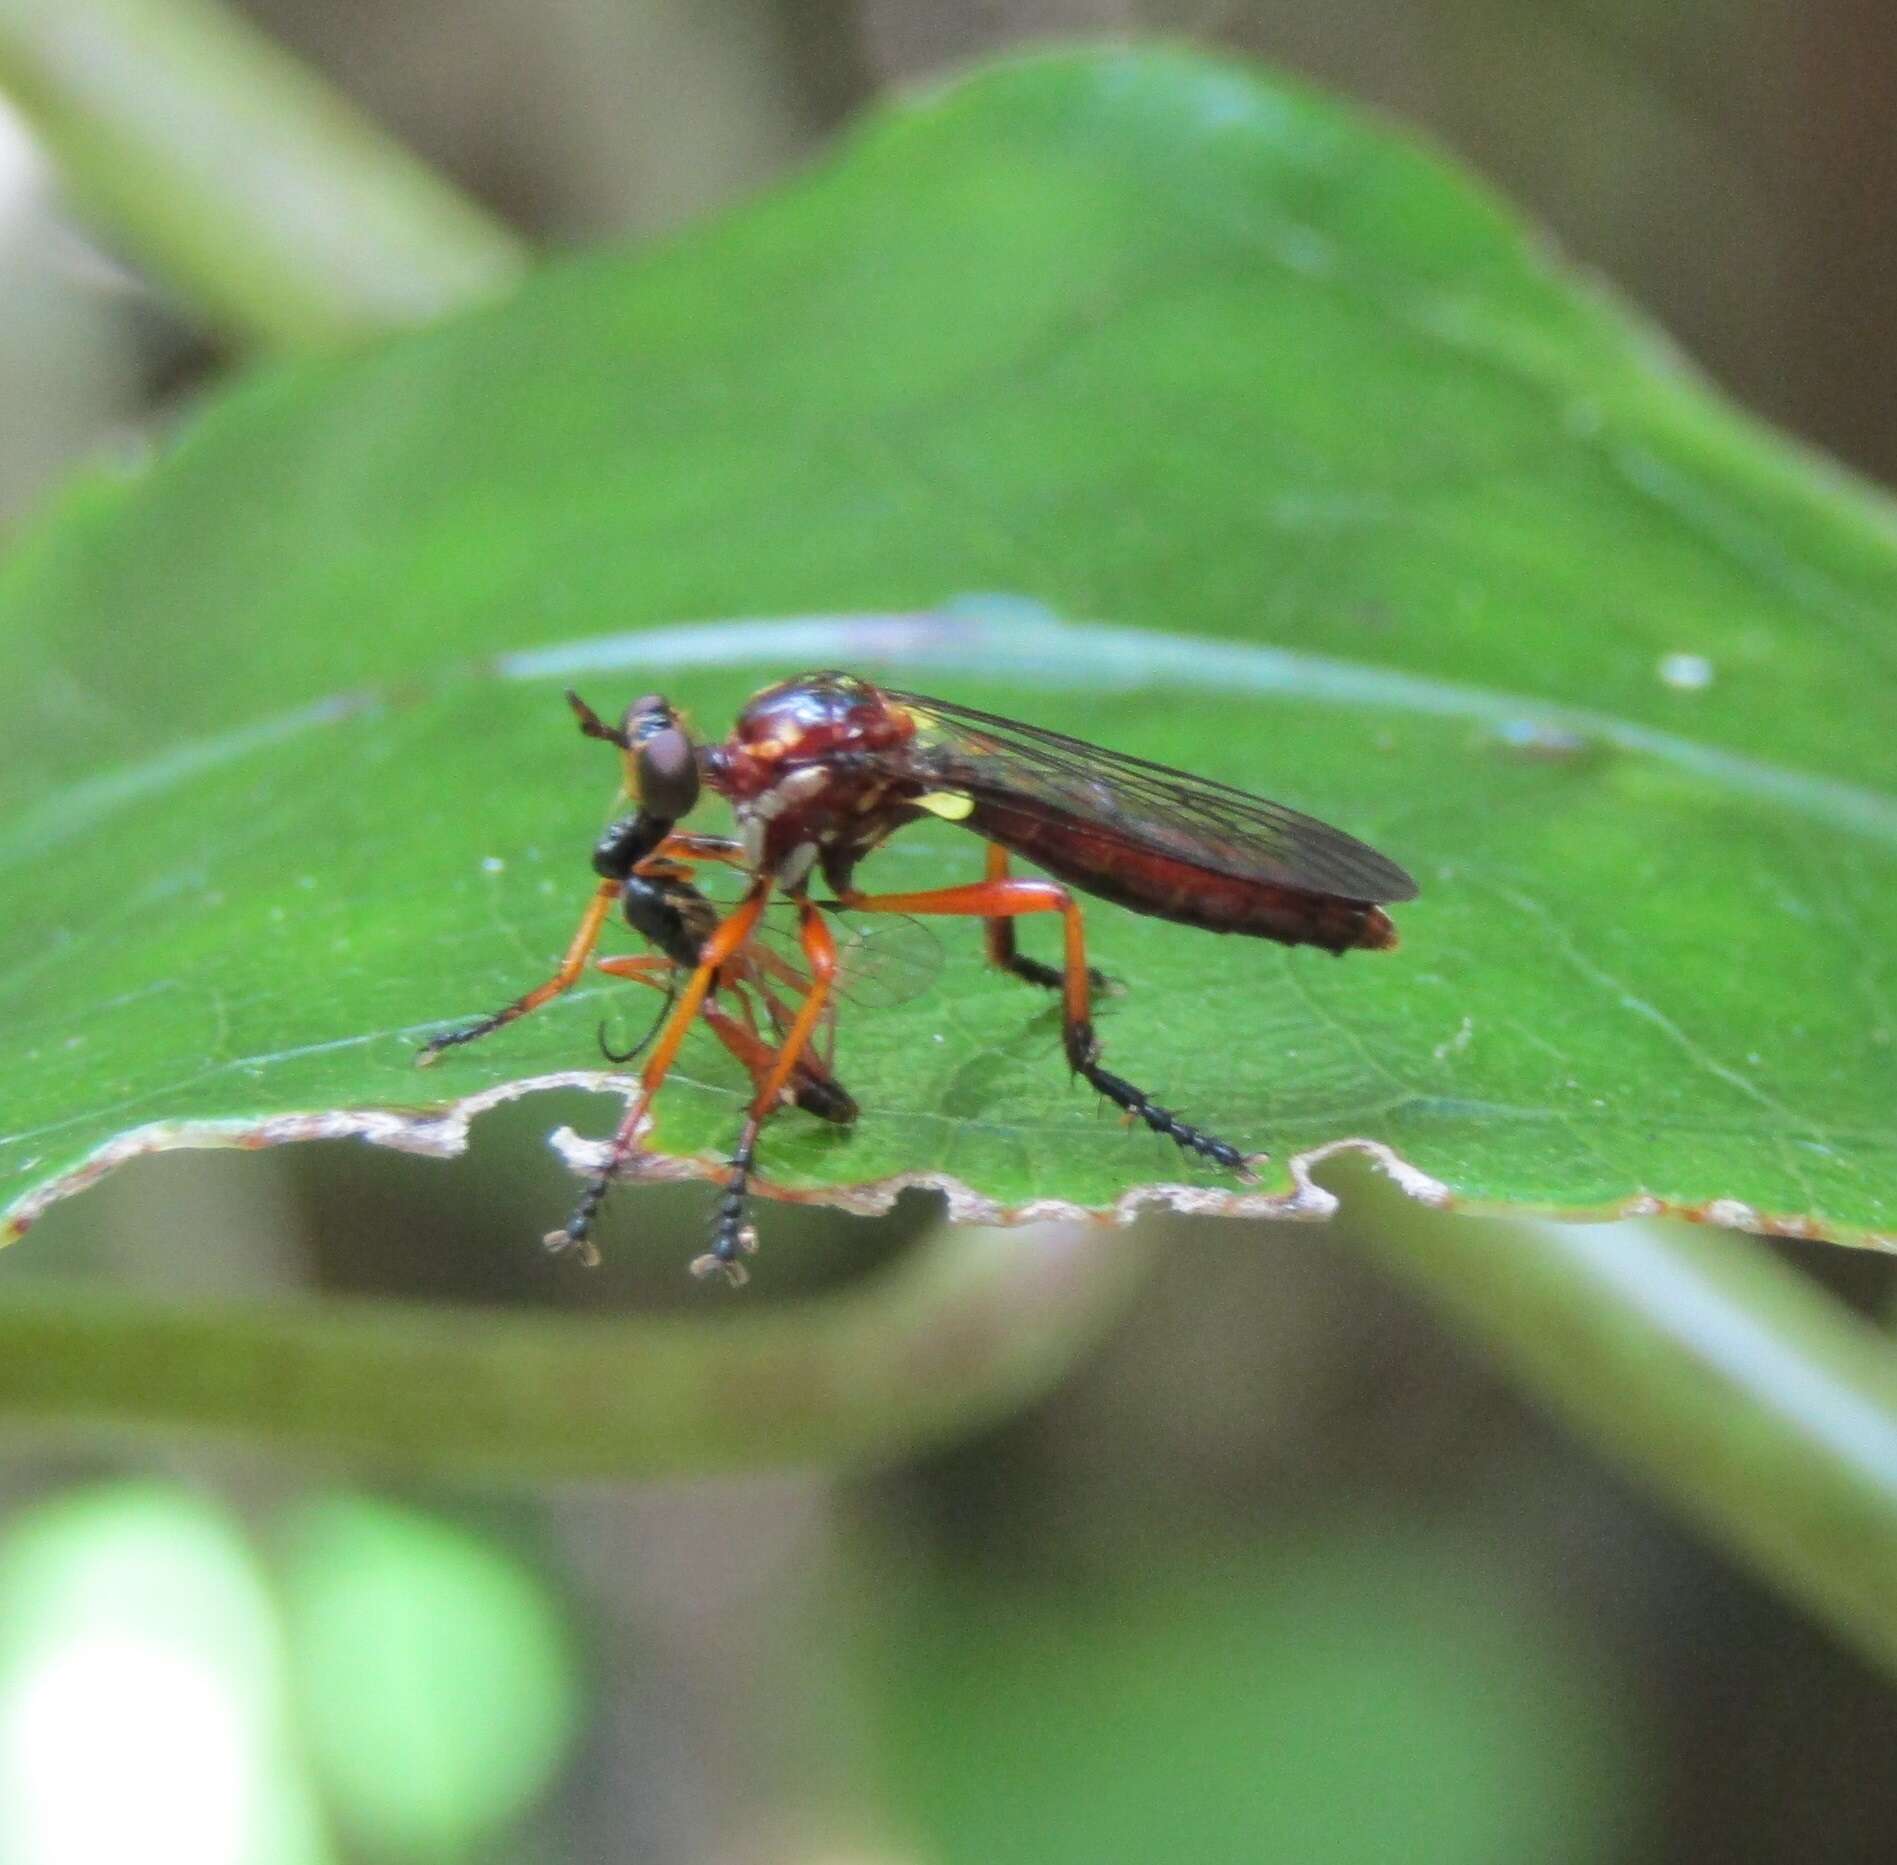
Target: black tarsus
<point>1048,977</point>
<point>1051,977</point>
<point>470,1032</point>
<point>1083,1049</point>
<point>577,1234</point>
<point>732,1235</point>
<point>1003,953</point>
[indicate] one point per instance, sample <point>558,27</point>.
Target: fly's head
<point>661,761</point>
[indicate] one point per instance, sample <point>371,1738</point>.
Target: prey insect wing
<point>1025,768</point>
<point>879,966</point>
<point>880,963</point>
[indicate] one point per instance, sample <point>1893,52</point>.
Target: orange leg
<point>744,974</point>
<point>585,938</point>
<point>815,1062</point>
<point>1000,899</point>
<point>686,846</point>
<point>724,944</point>
<point>731,1235</point>
<point>810,1087</point>
<point>647,967</point>
<point>998,935</point>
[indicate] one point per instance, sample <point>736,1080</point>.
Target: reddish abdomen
<point>1098,862</point>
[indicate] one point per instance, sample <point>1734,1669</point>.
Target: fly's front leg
<point>725,943</point>
<point>1007,900</point>
<point>585,938</point>
<point>732,1234</point>
<point>998,936</point>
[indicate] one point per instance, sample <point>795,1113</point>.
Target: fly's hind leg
<point>999,900</point>
<point>998,936</point>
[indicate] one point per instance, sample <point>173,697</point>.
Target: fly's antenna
<point>593,725</point>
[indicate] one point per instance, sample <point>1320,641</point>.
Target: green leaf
<point>1296,461</point>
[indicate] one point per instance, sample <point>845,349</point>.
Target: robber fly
<point>821,769</point>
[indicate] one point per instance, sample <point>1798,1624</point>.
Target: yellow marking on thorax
<point>947,804</point>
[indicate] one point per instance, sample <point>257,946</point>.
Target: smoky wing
<point>1193,819</point>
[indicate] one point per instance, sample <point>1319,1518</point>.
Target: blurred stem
<point>240,178</point>
<point>967,1329</point>
<point>1763,1406</point>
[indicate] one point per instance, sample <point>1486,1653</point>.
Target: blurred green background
<point>1284,1571</point>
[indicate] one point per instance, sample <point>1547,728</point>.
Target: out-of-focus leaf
<point>1348,1701</point>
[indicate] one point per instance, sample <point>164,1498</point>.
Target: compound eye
<point>643,717</point>
<point>668,773</point>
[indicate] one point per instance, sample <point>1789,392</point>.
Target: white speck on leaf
<point>493,864</point>
<point>1686,673</point>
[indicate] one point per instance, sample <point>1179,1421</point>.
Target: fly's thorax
<point>783,818</point>
<point>799,771</point>
<point>830,812</point>
<point>813,719</point>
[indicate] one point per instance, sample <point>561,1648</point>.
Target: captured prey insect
<point>885,962</point>
<point>821,769</point>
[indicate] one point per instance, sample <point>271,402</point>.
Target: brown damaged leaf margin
<point>442,1133</point>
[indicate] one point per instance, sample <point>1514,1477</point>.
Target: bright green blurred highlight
<point>437,1681</point>
<point>1350,1702</point>
<point>141,1691</point>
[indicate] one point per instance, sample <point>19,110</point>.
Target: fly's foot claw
<point>733,1271</point>
<point>582,1249</point>
<point>731,1237</point>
